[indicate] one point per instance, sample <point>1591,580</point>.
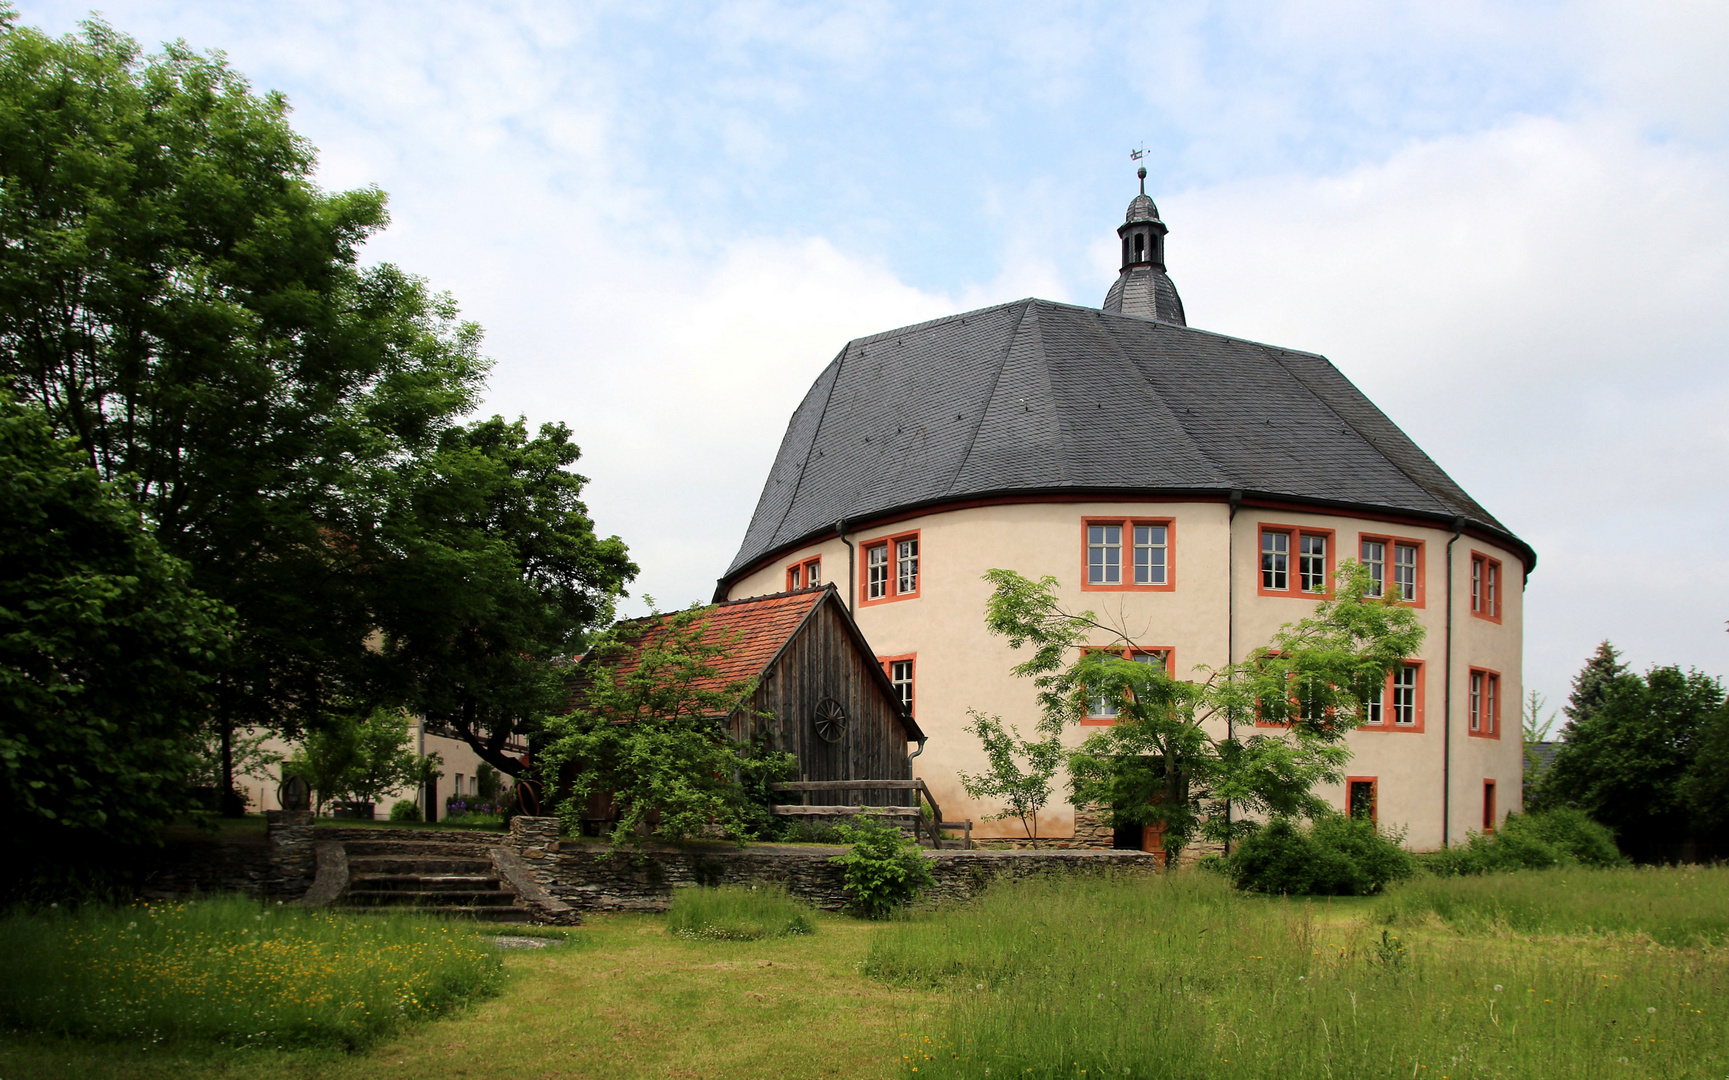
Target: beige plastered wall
<point>960,667</point>
<point>459,759</point>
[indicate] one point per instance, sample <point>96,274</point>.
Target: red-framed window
<point>1295,561</point>
<point>802,575</point>
<point>1362,797</point>
<point>1395,566</point>
<point>1486,587</point>
<point>1483,703</point>
<point>1488,806</point>
<point>901,671</point>
<point>1100,712</point>
<point>1399,705</point>
<point>1128,554</point>
<point>891,568</point>
<point>1301,702</point>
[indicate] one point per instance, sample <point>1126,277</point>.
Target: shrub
<point>738,913</point>
<point>884,869</point>
<point>1336,856</point>
<point>234,972</point>
<point>404,810</point>
<point>1539,841</point>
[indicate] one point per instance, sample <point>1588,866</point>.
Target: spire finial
<point>1141,172</point>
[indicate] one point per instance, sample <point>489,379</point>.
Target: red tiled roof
<point>752,630</point>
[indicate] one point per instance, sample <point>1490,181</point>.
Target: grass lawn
<point>1513,976</point>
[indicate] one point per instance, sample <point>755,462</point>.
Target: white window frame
<point>1144,570</point>
<point>1376,564</point>
<point>1104,554</point>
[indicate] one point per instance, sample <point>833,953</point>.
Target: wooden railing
<point>933,826</point>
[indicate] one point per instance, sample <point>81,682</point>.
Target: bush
<point>738,913</point>
<point>404,810</point>
<point>884,869</point>
<point>1336,856</point>
<point>1539,841</point>
<point>234,972</point>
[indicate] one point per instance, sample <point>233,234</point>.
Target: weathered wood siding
<point>822,662</point>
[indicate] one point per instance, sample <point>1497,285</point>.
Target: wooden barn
<point>822,696</point>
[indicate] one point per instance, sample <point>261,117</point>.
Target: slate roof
<point>1040,397</point>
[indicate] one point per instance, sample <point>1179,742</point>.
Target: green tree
<point>360,757</point>
<point>1623,763</point>
<point>1704,789</point>
<point>648,729</point>
<point>1023,792</point>
<point>488,578</point>
<point>107,652</point>
<point>1591,685</point>
<point>187,305</point>
<point>1535,728</point>
<point>1177,755</point>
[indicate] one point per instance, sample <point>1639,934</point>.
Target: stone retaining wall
<point>591,878</point>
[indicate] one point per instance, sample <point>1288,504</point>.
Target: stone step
<point>488,914</point>
<point>402,864</point>
<point>369,882</point>
<point>416,849</point>
<point>494,897</point>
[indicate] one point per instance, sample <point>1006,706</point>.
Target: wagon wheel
<point>829,720</point>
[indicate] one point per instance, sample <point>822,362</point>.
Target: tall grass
<point>234,972</point>
<point>1180,977</point>
<point>1673,906</point>
<point>737,913</point>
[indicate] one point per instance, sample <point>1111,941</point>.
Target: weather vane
<point>1141,172</point>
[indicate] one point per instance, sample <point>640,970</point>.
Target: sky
<point>1504,222</point>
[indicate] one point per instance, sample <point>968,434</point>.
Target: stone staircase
<point>429,876</point>
<point>425,871</point>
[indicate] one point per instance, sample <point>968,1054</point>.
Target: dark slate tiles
<point>1039,396</point>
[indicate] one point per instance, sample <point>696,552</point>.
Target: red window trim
<point>1422,562</point>
<point>888,671</point>
<point>803,568</point>
<point>1374,783</point>
<point>1127,566</point>
<point>1292,577</point>
<point>1479,559</point>
<point>891,594</point>
<point>1127,653</point>
<point>1489,813</point>
<point>1386,723</point>
<point>1489,724</point>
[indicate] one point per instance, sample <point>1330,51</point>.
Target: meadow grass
<point>1676,906</point>
<point>234,972</point>
<point>738,913</point>
<point>1182,977</point>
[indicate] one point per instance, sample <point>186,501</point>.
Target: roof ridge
<point>991,397</point>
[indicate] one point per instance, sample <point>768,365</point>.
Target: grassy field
<point>1514,976</point>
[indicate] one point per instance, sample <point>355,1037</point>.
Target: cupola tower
<point>1142,287</point>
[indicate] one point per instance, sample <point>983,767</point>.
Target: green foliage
<point>187,306</point>
<point>1023,793</point>
<point>1534,729</point>
<point>490,577</point>
<point>360,757</point>
<point>884,869</point>
<point>1335,856</point>
<point>738,913</point>
<point>405,810</point>
<point>1624,759</point>
<point>1182,753</point>
<point>235,973</point>
<point>1537,841</point>
<point>1591,685</point>
<point>1680,907</point>
<point>1704,789</point>
<point>107,653</point>
<point>648,729</point>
